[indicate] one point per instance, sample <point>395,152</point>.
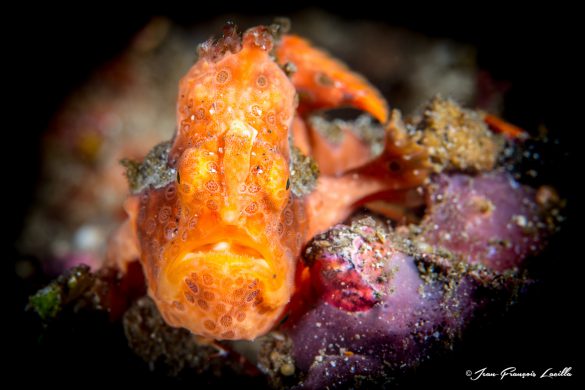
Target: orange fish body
<point>219,245</point>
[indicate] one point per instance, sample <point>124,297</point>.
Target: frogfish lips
<point>226,289</point>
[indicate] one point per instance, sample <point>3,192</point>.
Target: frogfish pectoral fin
<point>323,82</point>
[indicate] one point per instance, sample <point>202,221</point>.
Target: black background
<point>533,48</point>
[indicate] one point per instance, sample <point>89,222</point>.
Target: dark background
<point>533,48</point>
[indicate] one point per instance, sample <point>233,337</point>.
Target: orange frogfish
<point>219,241</point>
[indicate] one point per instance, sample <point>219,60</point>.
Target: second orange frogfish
<point>220,235</point>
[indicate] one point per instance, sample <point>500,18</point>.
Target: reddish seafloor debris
<point>387,299</point>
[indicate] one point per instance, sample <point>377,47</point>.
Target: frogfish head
<point>219,244</point>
